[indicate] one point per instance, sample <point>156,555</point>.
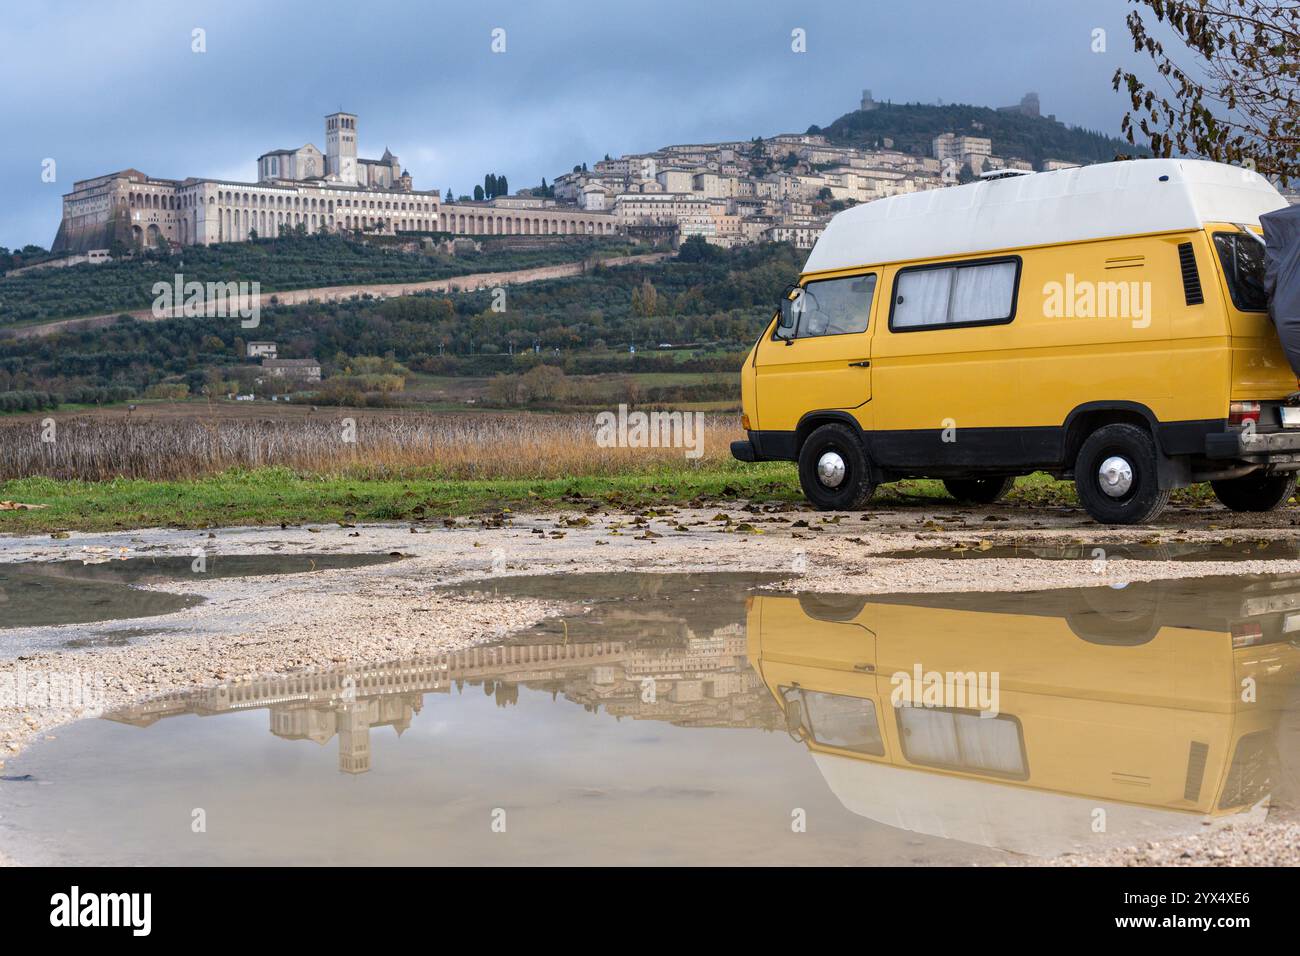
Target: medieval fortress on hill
<point>783,189</point>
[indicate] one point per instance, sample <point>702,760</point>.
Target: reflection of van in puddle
<point>1107,324</point>
<point>1113,722</point>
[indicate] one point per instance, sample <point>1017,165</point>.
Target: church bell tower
<point>341,147</point>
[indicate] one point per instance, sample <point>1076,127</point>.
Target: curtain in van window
<point>922,298</point>
<point>955,296</point>
<point>983,293</point>
<point>962,740</point>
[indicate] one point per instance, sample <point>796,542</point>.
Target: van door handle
<point>865,363</point>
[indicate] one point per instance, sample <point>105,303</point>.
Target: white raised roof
<point>1135,197</point>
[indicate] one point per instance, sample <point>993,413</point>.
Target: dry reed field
<point>471,446</point>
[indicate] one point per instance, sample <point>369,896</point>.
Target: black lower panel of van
<point>774,446</point>
<point>965,450</point>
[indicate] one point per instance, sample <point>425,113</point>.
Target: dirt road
<point>339,293</point>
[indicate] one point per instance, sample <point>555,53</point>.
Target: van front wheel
<point>978,491</point>
<point>833,469</point>
<point>1257,492</point>
<point>1116,476</point>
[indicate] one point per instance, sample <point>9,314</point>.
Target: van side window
<point>975,293</point>
<point>835,306</point>
<point>1243,263</point>
<point>962,740</point>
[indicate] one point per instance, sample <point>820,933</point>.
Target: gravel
<point>283,623</point>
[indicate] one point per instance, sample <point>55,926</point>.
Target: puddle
<point>685,719</point>
<point>117,638</point>
<point>1227,550</point>
<point>48,593</point>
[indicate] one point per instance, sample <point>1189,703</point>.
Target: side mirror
<point>791,306</point>
<point>794,716</point>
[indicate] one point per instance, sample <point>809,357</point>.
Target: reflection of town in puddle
<point>632,658</point>
<point>1091,717</point>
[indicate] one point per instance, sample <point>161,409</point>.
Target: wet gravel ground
<point>1274,843</point>
<point>282,623</point>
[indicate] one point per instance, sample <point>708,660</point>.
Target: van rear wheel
<point>1255,492</point>
<point>1116,476</point>
<point>833,469</point>
<point>978,491</point>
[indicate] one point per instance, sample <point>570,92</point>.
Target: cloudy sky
<point>103,85</point>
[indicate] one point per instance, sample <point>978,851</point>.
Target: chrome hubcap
<point>830,469</point>
<point>1115,476</point>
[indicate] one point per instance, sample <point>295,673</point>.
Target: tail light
<point>744,421</point>
<point>1241,412</point>
<point>1247,635</point>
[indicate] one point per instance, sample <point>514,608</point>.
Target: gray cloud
<point>103,86</point>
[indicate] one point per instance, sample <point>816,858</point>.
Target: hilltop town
<point>782,188</point>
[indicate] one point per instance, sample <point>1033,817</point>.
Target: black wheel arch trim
<point>1088,408</point>
<point>811,421</point>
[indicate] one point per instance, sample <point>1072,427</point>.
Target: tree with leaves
<point>1231,95</point>
<point>478,193</point>
<point>645,300</point>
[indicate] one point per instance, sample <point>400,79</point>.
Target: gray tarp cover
<point>1282,277</point>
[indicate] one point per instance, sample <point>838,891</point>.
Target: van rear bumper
<point>1259,447</point>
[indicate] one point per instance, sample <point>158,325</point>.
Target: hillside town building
<point>784,188</point>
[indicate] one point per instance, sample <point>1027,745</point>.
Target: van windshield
<point>1242,257</point>
<point>829,307</point>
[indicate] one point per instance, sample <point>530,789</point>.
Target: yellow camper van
<point>1105,323</point>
